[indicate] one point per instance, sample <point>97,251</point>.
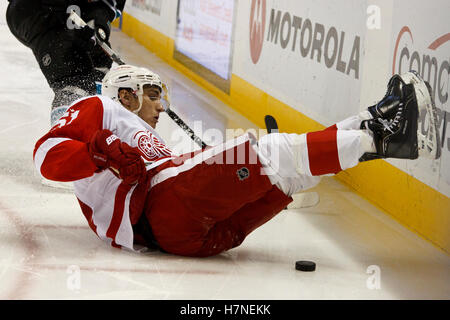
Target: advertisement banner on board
<point>307,54</point>
<point>204,38</point>
<point>421,41</point>
<point>153,6</point>
<point>156,14</point>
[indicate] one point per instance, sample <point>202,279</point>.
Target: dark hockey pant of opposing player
<point>69,61</point>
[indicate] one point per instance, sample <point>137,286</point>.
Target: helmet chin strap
<point>141,101</point>
<point>140,95</point>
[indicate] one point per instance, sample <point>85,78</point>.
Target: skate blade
<point>429,145</point>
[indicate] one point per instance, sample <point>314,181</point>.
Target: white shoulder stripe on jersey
<point>43,149</point>
<point>197,159</point>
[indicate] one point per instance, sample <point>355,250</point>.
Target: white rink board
<point>298,74</point>
<point>158,14</point>
<point>204,34</point>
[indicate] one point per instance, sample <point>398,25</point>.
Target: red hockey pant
<point>211,202</point>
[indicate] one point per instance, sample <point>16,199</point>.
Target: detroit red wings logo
<point>151,148</point>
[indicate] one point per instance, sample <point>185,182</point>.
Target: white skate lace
<point>386,124</point>
<point>398,115</point>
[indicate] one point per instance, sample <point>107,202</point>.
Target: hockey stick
<point>78,21</point>
<point>303,199</point>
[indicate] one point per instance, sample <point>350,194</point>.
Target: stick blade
<point>271,124</point>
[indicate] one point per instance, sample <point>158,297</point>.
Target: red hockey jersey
<point>110,206</point>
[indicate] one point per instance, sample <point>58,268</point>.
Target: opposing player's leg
<point>26,20</point>
<point>101,62</point>
<point>67,68</point>
<point>83,72</point>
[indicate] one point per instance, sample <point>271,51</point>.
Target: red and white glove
<point>107,151</point>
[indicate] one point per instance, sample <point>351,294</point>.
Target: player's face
<point>151,106</point>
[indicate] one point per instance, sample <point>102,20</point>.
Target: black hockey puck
<point>305,266</point>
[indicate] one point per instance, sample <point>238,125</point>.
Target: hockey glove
<point>101,15</point>
<point>107,151</point>
<point>83,38</point>
<point>102,29</point>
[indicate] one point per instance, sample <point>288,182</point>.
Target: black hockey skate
<point>395,125</point>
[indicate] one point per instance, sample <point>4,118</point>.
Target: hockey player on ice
<point>135,193</point>
<point>68,57</point>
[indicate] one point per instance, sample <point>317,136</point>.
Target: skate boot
<point>395,129</point>
<point>387,107</point>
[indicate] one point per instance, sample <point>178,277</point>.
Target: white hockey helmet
<point>131,77</point>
